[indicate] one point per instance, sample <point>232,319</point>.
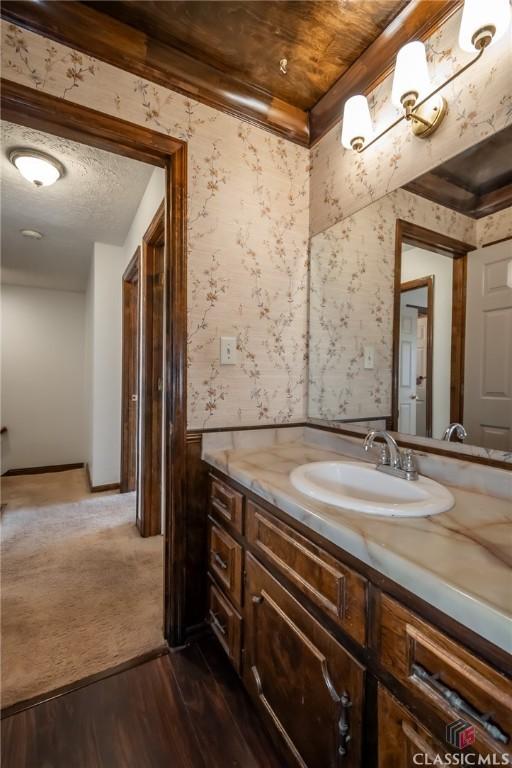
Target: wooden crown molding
<point>418,21</point>
<point>96,34</point>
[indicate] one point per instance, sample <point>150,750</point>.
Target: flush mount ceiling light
<point>482,24</point>
<point>32,233</point>
<point>40,169</point>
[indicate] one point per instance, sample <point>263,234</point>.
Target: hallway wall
<point>42,377</point>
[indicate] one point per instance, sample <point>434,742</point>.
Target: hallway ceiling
<point>94,201</point>
<point>319,38</point>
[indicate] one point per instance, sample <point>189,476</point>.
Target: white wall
<point>417,263</point>
<point>42,377</point>
<point>104,303</point>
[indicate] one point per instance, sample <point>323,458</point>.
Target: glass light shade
<point>479,14</point>
<point>411,73</point>
<point>357,123</point>
<point>40,170</point>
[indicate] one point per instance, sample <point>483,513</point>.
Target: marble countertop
<point>458,561</point>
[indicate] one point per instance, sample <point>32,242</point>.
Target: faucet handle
<point>408,461</point>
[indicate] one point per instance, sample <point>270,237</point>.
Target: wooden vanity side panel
<point>334,587</point>
<point>408,643</point>
<point>304,681</point>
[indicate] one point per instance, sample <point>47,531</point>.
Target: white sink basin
<point>360,487</point>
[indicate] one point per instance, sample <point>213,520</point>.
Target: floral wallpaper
<point>351,303</point>
<point>479,104</point>
<point>247,230</point>
<point>497,226</point>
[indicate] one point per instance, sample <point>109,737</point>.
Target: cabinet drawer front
<point>337,589</point>
<point>446,676</point>
<point>226,624</point>
<point>307,685</point>
<point>226,503</point>
<point>401,737</point>
<point>225,561</point>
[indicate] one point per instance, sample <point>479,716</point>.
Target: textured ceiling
<point>94,201</point>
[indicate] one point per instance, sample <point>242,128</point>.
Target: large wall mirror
<point>411,308</point>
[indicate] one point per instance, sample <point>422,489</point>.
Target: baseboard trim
<point>99,488</point>
<point>43,470</point>
<point>42,698</point>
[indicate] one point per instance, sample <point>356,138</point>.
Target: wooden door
<point>401,737</point>
<point>488,362</point>
<point>305,682</point>
<point>407,371</point>
<point>130,376</point>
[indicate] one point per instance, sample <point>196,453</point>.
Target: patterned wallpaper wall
<point>248,232</point>
<point>351,302</point>
<point>479,104</point>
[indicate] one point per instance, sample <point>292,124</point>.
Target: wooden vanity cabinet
<point>338,668</point>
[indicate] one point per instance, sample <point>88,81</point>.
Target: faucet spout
<point>392,460</point>
<point>457,429</point>
<point>392,445</point>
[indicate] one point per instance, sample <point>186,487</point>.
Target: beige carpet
<point>81,590</point>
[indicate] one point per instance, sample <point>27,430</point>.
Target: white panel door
<point>488,363</point>
<point>407,371</point>
<point>421,376</point>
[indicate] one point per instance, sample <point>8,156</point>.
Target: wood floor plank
<point>208,710</point>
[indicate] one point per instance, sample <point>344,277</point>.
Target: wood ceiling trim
<point>115,43</point>
<point>418,21</point>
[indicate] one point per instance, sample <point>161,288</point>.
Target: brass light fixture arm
<point>412,114</point>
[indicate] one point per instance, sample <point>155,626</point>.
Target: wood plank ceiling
<point>248,38</point>
<point>227,53</point>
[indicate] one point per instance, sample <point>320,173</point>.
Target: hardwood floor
<point>184,710</point>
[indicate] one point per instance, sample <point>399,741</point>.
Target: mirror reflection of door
<point>415,359</point>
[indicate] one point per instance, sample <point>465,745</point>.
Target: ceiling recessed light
<point>32,233</point>
<point>37,167</point>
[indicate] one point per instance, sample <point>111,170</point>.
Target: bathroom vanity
<point>359,638</point>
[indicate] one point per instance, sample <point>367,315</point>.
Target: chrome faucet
<point>456,428</point>
<point>392,460</point>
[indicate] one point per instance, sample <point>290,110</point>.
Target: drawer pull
<point>257,599</point>
<point>220,505</point>
<point>217,623</point>
<point>344,725</point>
<point>458,703</point>
<point>218,559</point>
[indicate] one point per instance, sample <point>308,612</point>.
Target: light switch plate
<point>368,357</point>
<point>227,350</point>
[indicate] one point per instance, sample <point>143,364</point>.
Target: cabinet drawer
<point>307,685</point>
<point>446,677</point>
<point>337,589</point>
<point>226,503</point>
<point>401,736</point>
<point>225,561</point>
<point>226,624</point>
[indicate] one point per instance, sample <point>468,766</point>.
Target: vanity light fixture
<point>482,24</point>
<point>40,169</point>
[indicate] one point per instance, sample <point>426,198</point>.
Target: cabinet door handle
<point>218,559</point>
<point>344,724</point>
<point>217,623</point>
<point>458,703</point>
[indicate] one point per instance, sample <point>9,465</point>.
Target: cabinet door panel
<point>307,684</point>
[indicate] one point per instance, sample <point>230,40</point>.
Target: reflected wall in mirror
<point>411,306</point>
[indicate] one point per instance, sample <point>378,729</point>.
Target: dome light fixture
<point>33,234</point>
<point>40,169</point>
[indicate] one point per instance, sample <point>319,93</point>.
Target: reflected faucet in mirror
<point>455,429</point>
<point>392,460</point>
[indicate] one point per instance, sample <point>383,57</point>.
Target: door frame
<point>39,110</point>
<point>457,250</point>
<point>129,377</point>
<point>411,285</point>
<point>151,366</point>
